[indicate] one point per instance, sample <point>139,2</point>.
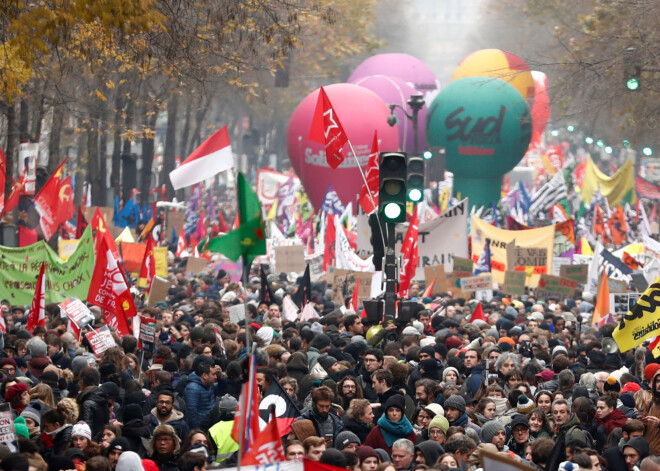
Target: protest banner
<point>441,239</point>
<point>514,282</point>
<point>158,291</point>
<point>196,265</point>
<point>76,310</point>
<point>617,286</point>
<point>7,430</point>
<point>147,333</point>
<point>477,283</point>
<point>66,279</point>
<point>100,339</point>
<point>540,238</point>
<point>237,313</point>
<point>290,258</point>
<point>160,256</point>
<point>233,269</point>
<point>578,273</point>
<point>132,253</point>
<point>344,285</point>
<point>555,287</point>
<point>65,248</point>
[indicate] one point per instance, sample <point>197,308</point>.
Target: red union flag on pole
<point>410,253</point>
<point>212,157</point>
<point>37,315</point>
<point>181,243</point>
<point>326,129</point>
<point>47,203</point>
<point>148,270</point>
<point>370,204</point>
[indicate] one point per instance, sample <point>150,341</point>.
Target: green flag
<point>249,239</point>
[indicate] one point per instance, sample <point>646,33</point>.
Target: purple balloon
<point>396,91</point>
<point>403,66</point>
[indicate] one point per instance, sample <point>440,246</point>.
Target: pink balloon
<point>403,66</point>
<point>541,107</point>
<point>396,91</point>
<point>361,112</point>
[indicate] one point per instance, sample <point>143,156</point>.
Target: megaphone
<point>609,345</point>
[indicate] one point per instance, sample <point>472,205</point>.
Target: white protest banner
<point>557,263</point>
<point>76,310</point>
<point>345,257</point>
<point>100,340</point>
<point>477,283</point>
<point>28,153</point>
<point>440,239</point>
<point>237,313</point>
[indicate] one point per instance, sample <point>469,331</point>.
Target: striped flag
<point>549,194</point>
<point>483,264</point>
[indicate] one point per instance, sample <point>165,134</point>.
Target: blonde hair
<point>69,408</point>
<point>43,393</point>
<point>643,400</point>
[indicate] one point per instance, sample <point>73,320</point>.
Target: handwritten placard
<point>514,282</point>
<point>578,273</point>
<point>480,282</point>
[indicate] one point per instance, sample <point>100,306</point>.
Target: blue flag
<point>331,203</point>
<point>483,264</point>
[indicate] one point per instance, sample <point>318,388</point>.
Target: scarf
<point>392,431</point>
<point>461,421</point>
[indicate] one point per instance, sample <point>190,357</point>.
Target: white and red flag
<point>371,175</point>
<point>181,243</point>
<point>210,158</point>
<point>37,315</point>
<point>326,129</point>
<point>47,203</point>
<point>148,269</point>
<point>410,253</point>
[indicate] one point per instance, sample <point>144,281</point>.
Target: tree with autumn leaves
<point>97,77</point>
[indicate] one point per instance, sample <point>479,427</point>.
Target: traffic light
<point>392,186</point>
<point>428,155</point>
<point>632,70</point>
<point>415,178</point>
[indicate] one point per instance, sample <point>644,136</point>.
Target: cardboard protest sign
<point>462,267</point>
<point>65,248</point>
<point>158,291</point>
<point>437,273</point>
<point>617,286</point>
<point>196,265</point>
<point>578,273</point>
<point>555,287</point>
<point>76,310</point>
<point>175,219</point>
<point>480,282</point>
<point>237,313</point>
<point>147,333</point>
<point>100,340</point>
<point>514,282</point>
<point>290,258</point>
<point>344,285</point>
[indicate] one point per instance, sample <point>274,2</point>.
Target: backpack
<point>591,443</point>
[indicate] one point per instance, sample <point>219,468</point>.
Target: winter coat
<point>61,361</point>
<point>558,453</point>
<point>176,420</point>
<point>150,403</point>
<point>614,419</point>
<point>614,457</point>
<point>167,463</point>
<point>94,410</point>
<point>60,443</point>
<point>359,428</point>
<point>375,440</point>
<point>199,400</point>
<point>473,381</point>
<point>138,435</point>
<point>337,424</point>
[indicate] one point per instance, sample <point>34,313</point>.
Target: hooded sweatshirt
<point>652,430</point>
<point>129,461</point>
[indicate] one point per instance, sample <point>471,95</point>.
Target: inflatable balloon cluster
<point>362,107</point>
<point>483,120</point>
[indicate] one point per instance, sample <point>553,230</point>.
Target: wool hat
<point>21,427</point>
<point>439,421</point>
<point>266,334</point>
<point>8,361</point>
<point>490,428</point>
<point>426,341</point>
<point>597,358</point>
<point>36,346</point>
<point>129,461</point>
<point>628,400</point>
<point>111,390</point>
<point>650,371</point>
<point>132,412</point>
<point>333,457</point>
<point>326,361</point>
<point>410,330</point>
<point>37,364</point>
<point>456,402</point>
<point>435,408</point>
<point>303,428</point>
<point>611,385</point>
<point>397,400</point>
<point>525,404</point>
<point>15,390</point>
<point>77,364</point>
<point>519,419</point>
<point>60,463</point>
<point>447,370</point>
<point>559,349</point>
<point>33,411</point>
<point>74,452</point>
<point>508,340</point>
<point>119,443</point>
<point>453,342</point>
<point>365,452</point>
<point>81,429</point>
<point>345,438</point>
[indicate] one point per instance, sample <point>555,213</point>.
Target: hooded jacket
<point>431,451</point>
<point>176,420</point>
<point>199,400</point>
<point>297,366</point>
<point>138,434</point>
<point>473,381</point>
<point>94,410</point>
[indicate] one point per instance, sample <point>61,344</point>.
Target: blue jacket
<point>474,379</point>
<point>200,399</point>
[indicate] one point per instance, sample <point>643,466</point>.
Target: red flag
<point>327,130</point>
<point>618,226</point>
<point>371,176</point>
<point>81,223</point>
<point>201,231</point>
<point>478,314</point>
<point>330,236</point>
<point>148,270</point>
<point>195,246</point>
<point>602,308</point>
<point>103,234</point>
<point>3,172</point>
<point>3,324</point>
<point>631,262</point>
<point>410,253</point>
<point>27,236</point>
<point>428,292</point>
<point>267,448</point>
<point>109,291</point>
<point>599,222</point>
<point>355,301</point>
<point>224,226</point>
<point>250,403</point>
<point>47,203</point>
<point>16,190</point>
<point>318,466</point>
<point>66,207</point>
<point>181,243</point>
<point>37,315</point>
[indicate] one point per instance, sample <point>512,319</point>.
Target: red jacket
<point>375,440</point>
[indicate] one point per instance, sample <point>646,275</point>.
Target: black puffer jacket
<point>60,441</point>
<point>94,410</point>
<point>135,431</point>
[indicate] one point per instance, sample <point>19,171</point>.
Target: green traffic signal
<point>392,211</point>
<point>415,195</point>
<point>428,155</point>
<point>632,84</point>
<point>647,151</point>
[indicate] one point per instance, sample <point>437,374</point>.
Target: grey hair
<point>588,380</point>
<point>565,379</point>
<point>508,356</point>
<point>404,443</point>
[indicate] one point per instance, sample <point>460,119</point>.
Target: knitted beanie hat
<point>457,402</point>
<point>490,428</point>
<point>439,421</point>
<point>525,404</point>
<point>611,385</point>
<point>81,429</point>
<point>345,438</point>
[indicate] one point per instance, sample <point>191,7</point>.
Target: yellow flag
<point>642,321</point>
<point>273,212</point>
<point>585,247</point>
<point>615,188</point>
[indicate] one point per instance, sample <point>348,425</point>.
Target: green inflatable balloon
<point>485,126</point>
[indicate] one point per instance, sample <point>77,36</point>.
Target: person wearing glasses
<point>164,448</point>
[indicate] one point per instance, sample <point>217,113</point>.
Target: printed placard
<point>100,340</point>
<point>147,333</point>
<point>237,313</point>
<point>290,258</point>
<point>578,273</point>
<point>344,285</point>
<point>7,430</point>
<point>514,282</point>
<point>76,310</point>
<point>480,282</point>
<point>621,303</point>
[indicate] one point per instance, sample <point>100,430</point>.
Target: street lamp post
<point>416,102</point>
